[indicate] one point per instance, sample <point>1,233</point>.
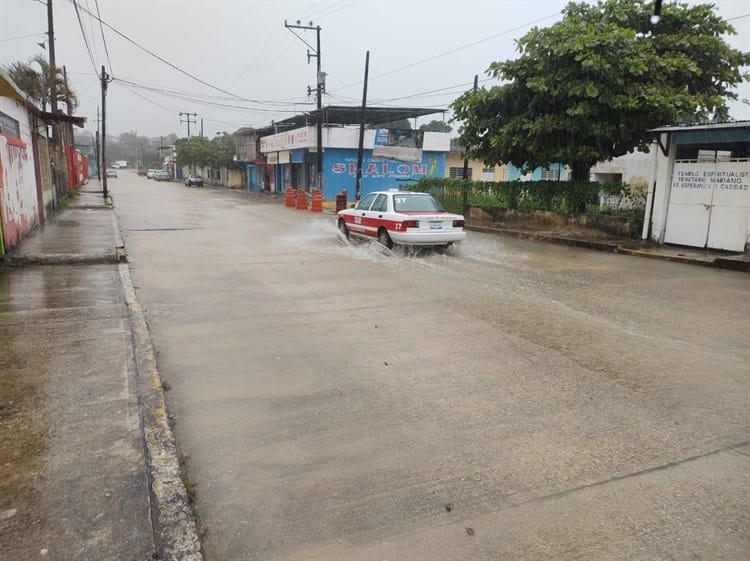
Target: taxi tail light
<point>458,223</point>
<point>411,223</point>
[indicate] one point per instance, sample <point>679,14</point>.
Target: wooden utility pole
<point>98,150</point>
<point>361,147</point>
<point>105,80</point>
<point>58,146</point>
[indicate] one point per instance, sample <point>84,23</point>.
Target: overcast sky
<point>423,53</point>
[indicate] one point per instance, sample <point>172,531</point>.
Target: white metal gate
<point>709,205</point>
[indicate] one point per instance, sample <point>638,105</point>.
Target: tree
<point>436,126</point>
<point>588,88</point>
<point>399,124</point>
<point>37,84</point>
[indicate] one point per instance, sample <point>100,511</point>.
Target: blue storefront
<point>340,172</point>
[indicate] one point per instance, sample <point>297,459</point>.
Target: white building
<point>699,190</point>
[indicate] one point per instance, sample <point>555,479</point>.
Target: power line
<point>101,28</point>
<point>153,54</point>
<point>21,37</point>
<point>455,50</point>
<point>83,32</point>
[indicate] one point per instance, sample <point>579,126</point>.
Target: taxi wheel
<point>384,238</point>
<point>344,230</point>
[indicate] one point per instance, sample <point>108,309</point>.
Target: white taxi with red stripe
<point>403,218</point>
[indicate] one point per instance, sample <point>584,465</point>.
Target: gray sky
<point>422,53</point>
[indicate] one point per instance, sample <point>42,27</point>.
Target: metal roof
<point>703,127</point>
<point>352,115</point>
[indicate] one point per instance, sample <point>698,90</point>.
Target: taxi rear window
<point>416,202</point>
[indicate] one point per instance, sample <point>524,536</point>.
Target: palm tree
<point>38,84</point>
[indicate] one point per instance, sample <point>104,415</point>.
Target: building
<point>699,190</point>
<point>31,185</point>
<point>390,158</point>
<point>476,170</point>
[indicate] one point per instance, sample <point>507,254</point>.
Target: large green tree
<point>588,88</point>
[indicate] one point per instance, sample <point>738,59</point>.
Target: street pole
<point>319,164</point>
<point>320,78</point>
<point>58,149</point>
<point>105,78</point>
<point>188,120</point>
<point>98,150</point>
<point>466,162</point>
<point>361,148</point>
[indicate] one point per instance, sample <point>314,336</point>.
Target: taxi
<point>402,218</point>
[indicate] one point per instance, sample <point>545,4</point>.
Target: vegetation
<point>35,78</point>
<point>201,152</point>
<point>555,196</point>
<point>588,88</point>
<point>436,126</point>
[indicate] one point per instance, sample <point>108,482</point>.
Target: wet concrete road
<point>332,400</point>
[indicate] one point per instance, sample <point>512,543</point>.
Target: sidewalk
<point>627,246</point>
<point>90,469</point>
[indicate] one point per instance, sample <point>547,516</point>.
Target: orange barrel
<point>301,200</point>
<point>289,197</point>
<point>317,202</point>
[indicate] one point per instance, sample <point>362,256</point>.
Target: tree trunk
<point>580,171</point>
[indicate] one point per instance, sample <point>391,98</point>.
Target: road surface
<point>509,400</point>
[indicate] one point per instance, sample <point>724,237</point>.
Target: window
<point>9,126</point>
<point>550,174</point>
<point>458,173</point>
<point>365,203</point>
<point>416,202</point>
<point>380,204</point>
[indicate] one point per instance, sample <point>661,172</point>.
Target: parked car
<point>402,218</point>
<point>150,173</point>
<point>194,179</point>
<point>110,173</point>
<point>161,175</point>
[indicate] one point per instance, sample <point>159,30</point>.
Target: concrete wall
<point>624,168</point>
<point>597,225</point>
<point>19,202</point>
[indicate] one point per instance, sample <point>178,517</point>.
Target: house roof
<point>352,115</point>
<point>703,127</point>
<point>8,87</point>
<point>710,133</point>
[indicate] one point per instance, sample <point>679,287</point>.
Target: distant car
<point>194,179</point>
<point>110,173</point>
<point>150,173</point>
<point>161,175</point>
<point>402,218</point>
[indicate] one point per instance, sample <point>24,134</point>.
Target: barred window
<point>458,173</point>
<point>550,174</point>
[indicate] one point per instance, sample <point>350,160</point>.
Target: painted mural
<point>19,205</point>
<point>340,171</point>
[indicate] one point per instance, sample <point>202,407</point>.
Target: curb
<point>174,528</point>
<point>614,247</point>
<point>62,259</point>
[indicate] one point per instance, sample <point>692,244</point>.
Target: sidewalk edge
<point>173,523</point>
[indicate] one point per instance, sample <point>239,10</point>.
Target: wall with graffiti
<point>19,202</point>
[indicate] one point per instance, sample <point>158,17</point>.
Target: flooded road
<point>507,400</point>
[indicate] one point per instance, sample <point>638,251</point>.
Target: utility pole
<point>201,127</point>
<point>58,149</point>
<point>98,151</point>
<point>361,148</point>
<point>321,81</point>
<point>188,120</point>
<point>105,80</point>
<point>466,160</point>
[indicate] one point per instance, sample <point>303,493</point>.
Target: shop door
<point>708,205</point>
